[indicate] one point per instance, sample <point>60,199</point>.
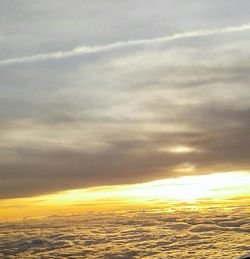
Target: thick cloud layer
<point>174,233</point>
<point>115,116</point>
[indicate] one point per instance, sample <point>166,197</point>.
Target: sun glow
<point>179,149</point>
<point>203,188</point>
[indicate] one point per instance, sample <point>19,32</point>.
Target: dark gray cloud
<point>112,117</point>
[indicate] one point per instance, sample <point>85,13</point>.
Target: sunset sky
<point>124,129</point>
<point>101,93</point>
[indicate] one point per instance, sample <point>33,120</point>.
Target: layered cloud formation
<point>171,233</point>
<point>132,104</point>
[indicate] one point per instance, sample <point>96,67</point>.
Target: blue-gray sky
<point>111,92</point>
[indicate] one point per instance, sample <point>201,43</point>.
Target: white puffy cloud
<point>149,233</point>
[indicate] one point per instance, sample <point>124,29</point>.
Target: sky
<point>96,93</point>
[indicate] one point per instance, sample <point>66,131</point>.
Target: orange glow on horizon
<point>190,189</point>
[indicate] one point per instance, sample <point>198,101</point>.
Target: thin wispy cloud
<point>83,50</point>
<point>127,92</point>
<point>132,114</point>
